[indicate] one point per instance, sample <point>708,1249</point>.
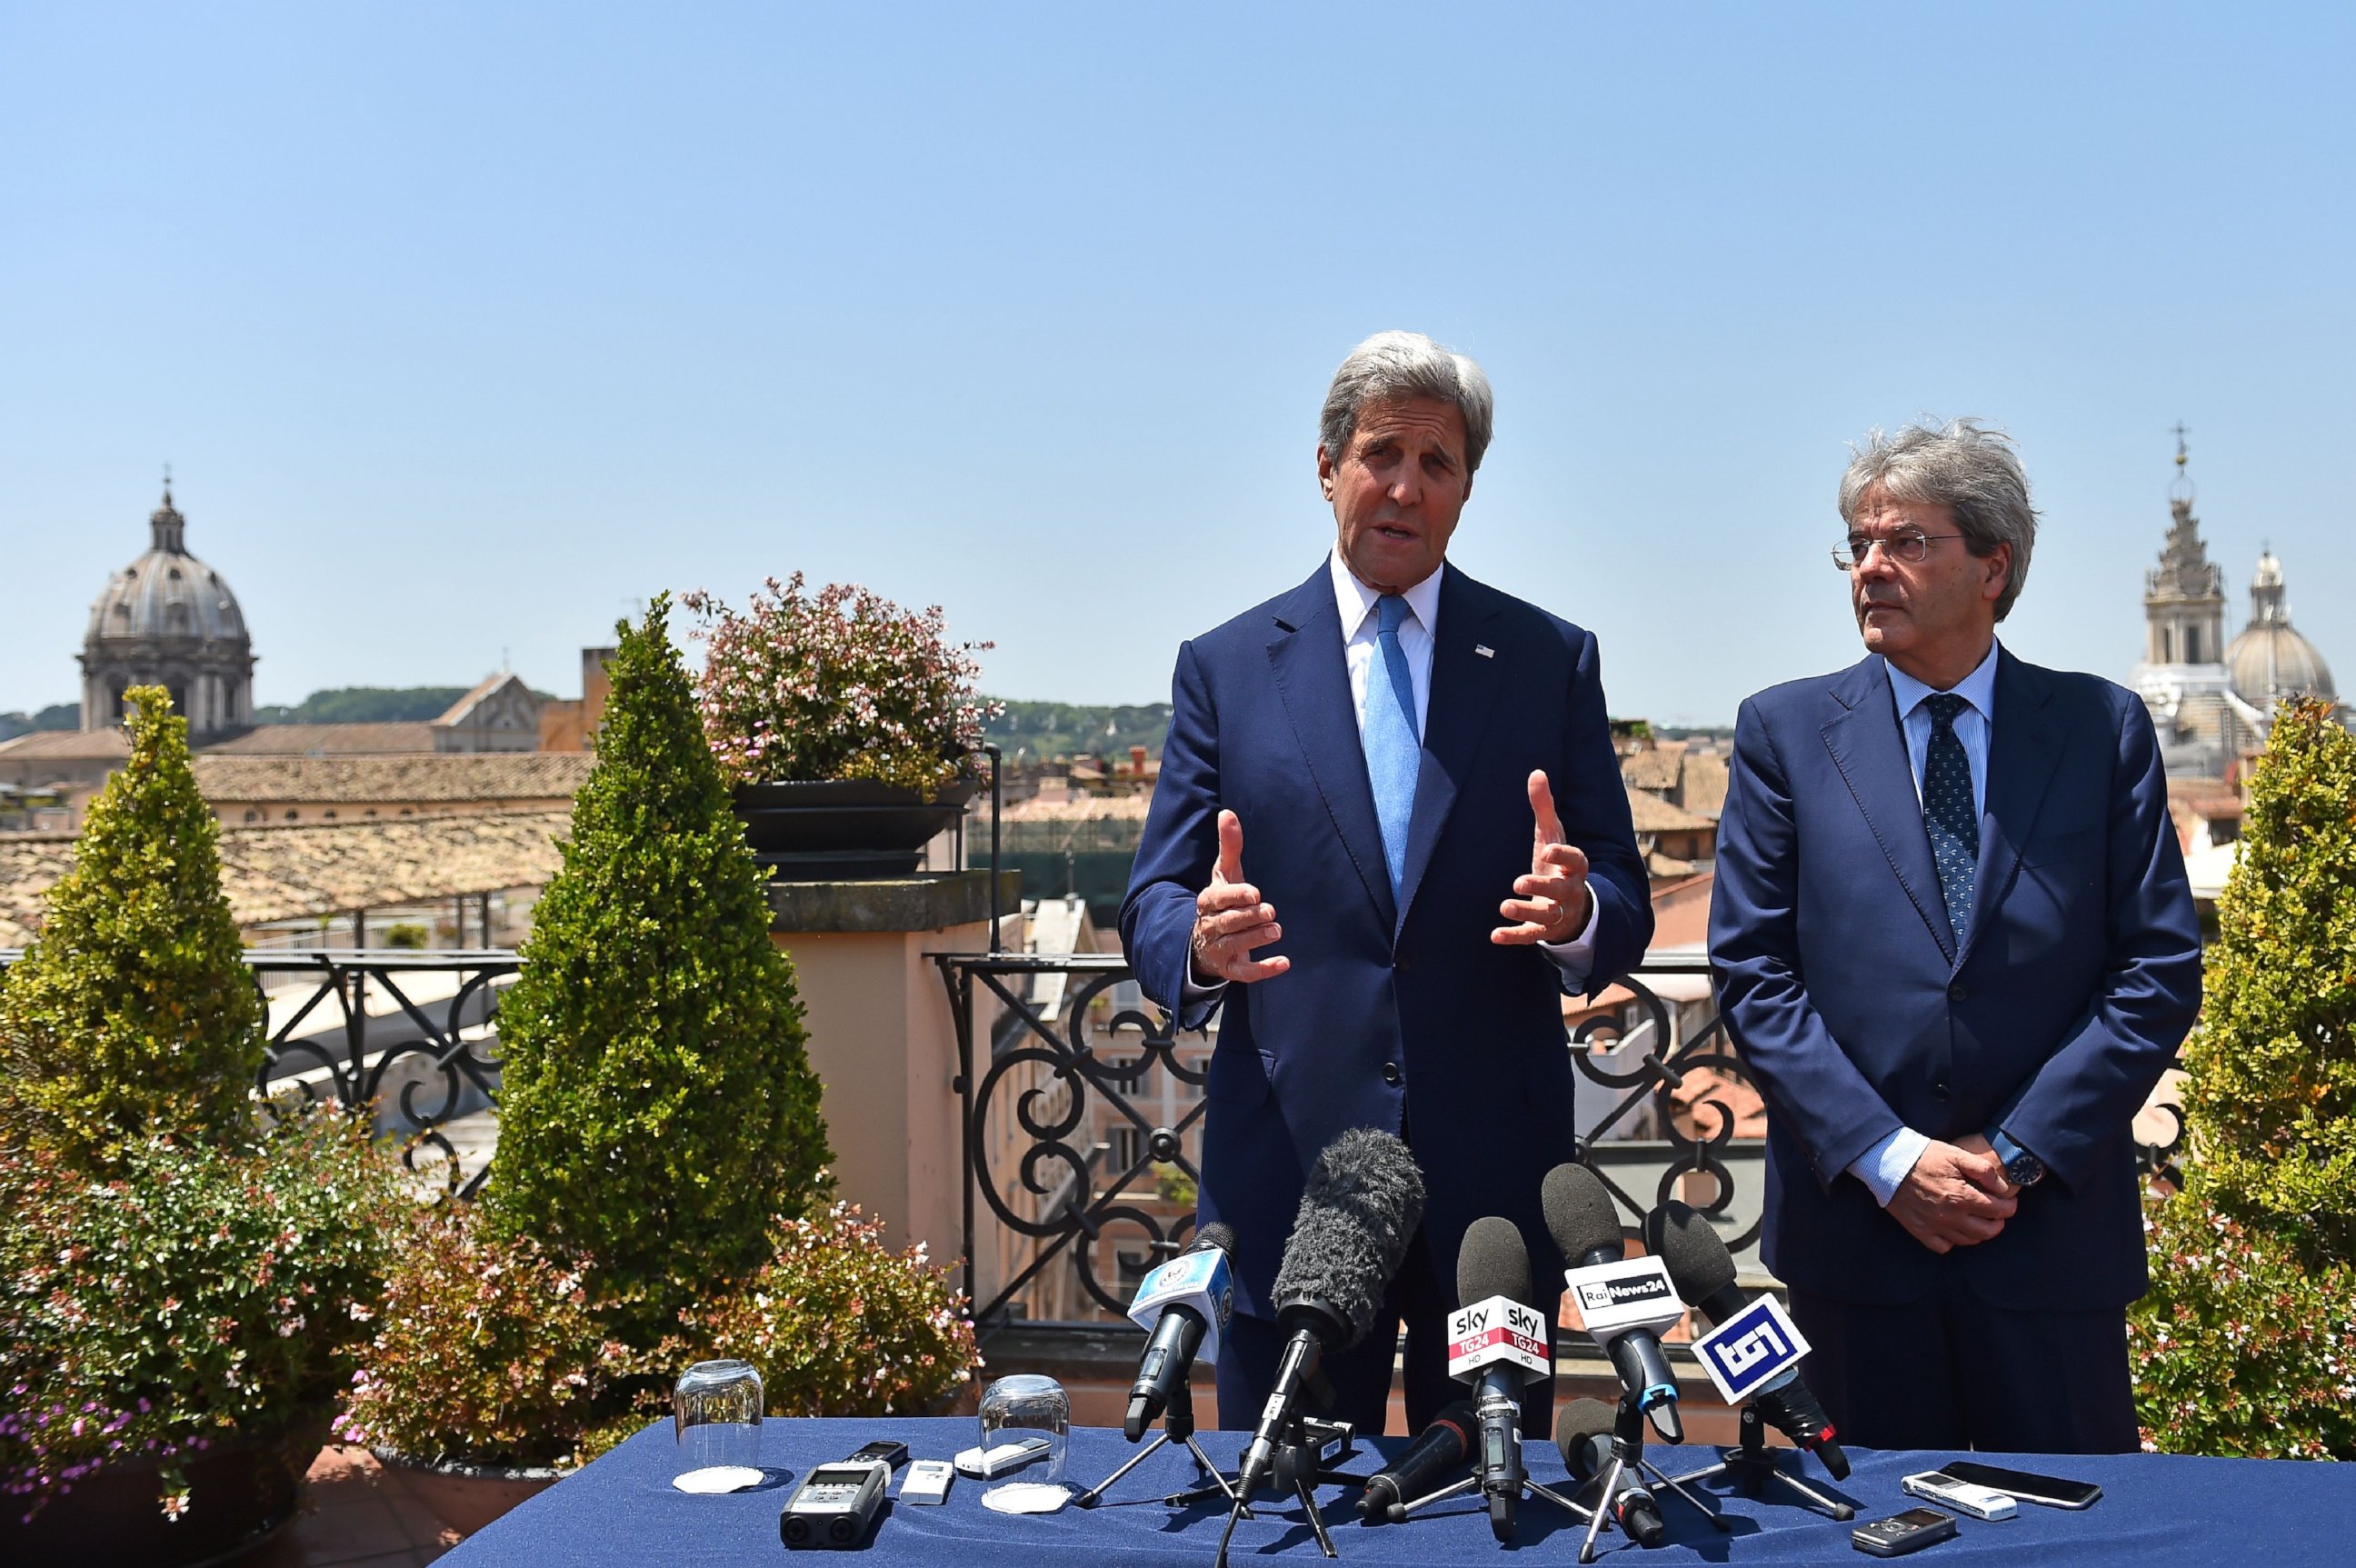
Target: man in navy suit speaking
<point>1954,942</point>
<point>1390,832</point>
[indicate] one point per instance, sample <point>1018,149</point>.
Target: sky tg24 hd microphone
<point>1622,1300</point>
<point>1583,1433</point>
<point>1497,1342</point>
<point>1185,1304</point>
<point>1754,1350</point>
<point>1418,1471</point>
<point>1358,1212</point>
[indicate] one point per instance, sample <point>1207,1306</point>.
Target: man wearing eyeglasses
<point>1954,942</point>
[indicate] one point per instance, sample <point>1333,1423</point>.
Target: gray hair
<point>1390,365</point>
<point>1965,464</point>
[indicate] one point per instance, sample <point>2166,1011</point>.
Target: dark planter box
<point>845,829</point>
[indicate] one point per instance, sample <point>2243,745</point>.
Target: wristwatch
<point>2021,1168</point>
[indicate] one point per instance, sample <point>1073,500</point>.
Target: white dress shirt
<point>1883,1166</point>
<point>1360,648</point>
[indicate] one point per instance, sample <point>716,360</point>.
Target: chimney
<point>1137,760</point>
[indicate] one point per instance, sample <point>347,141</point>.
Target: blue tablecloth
<point>2155,1510</point>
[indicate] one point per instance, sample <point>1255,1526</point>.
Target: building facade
<point>168,619</point>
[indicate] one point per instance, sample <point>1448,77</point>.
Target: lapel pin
<point>1485,651</point>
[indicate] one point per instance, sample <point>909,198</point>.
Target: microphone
<point>1417,1472</point>
<point>1623,1306</point>
<point>1185,1300</point>
<point>1583,1433</point>
<point>1358,1212</point>
<point>1490,1347</point>
<point>1703,1271</point>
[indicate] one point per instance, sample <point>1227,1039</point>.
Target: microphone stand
<point>1529,1485</point>
<point>1752,1465</point>
<point>1628,1452</point>
<point>1177,1426</point>
<point>1300,1467</point>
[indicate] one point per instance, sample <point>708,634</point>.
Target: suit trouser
<point>1419,1301</point>
<point>1950,1371</point>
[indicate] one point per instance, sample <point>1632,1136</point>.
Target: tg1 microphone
<point>1417,1472</point>
<point>1583,1433</point>
<point>1623,1302</point>
<point>1185,1302</point>
<point>1704,1273</point>
<point>1497,1341</point>
<point>1360,1209</point>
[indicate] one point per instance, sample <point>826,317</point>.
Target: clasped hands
<point>1232,921</point>
<point>1956,1196</point>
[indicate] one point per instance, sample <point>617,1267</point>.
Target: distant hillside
<point>59,716</point>
<point>364,704</point>
<point>1029,731</point>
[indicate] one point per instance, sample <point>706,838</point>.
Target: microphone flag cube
<point>1630,1293</point>
<point>1499,1331</point>
<point>1199,1280</point>
<point>1743,1354</point>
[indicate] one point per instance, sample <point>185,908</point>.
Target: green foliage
<point>59,716</point>
<point>842,684</point>
<point>838,1324</point>
<point>134,1008</point>
<point>197,1294</point>
<point>407,935</point>
<point>364,704</point>
<point>1172,1185</point>
<point>657,1106</point>
<point>1031,731</point>
<point>488,1350</point>
<point>2245,1338</point>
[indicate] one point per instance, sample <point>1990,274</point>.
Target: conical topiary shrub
<point>658,1109</point>
<point>133,1009</point>
<point>2247,1340</point>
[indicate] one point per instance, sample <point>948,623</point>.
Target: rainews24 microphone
<point>1622,1300</point>
<point>1364,1200</point>
<point>1497,1342</point>
<point>1754,1350</point>
<point>1422,1468</point>
<point>1583,1433</point>
<point>1185,1302</point>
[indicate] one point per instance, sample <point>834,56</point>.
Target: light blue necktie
<point>1393,749</point>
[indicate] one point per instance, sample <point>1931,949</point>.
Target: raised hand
<point>1550,904</point>
<point>1230,921</point>
<point>1954,1197</point>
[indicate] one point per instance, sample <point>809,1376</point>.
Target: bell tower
<point>2184,596</point>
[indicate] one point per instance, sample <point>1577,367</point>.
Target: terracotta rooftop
<point>1655,767</point>
<point>454,777</point>
<point>1701,784</point>
<point>1655,815</point>
<point>328,740</point>
<point>66,745</point>
<point>285,872</point>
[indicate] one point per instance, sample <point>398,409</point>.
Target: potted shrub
<point>186,1278</point>
<point>845,723</point>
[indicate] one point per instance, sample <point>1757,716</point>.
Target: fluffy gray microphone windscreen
<point>1699,1263</point>
<point>1364,1200</point>
<point>1493,1261</point>
<point>1578,1213</point>
<point>1580,1420</point>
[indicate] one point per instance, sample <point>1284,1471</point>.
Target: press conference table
<point>622,1511</point>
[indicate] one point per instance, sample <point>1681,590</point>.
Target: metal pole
<point>997,805</point>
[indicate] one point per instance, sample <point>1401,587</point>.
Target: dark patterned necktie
<point>1948,813</point>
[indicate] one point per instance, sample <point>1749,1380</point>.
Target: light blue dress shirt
<point>1883,1166</point>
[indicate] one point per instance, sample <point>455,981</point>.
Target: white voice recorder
<point>1980,1502</point>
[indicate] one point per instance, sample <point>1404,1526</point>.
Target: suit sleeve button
<point>1391,1073</point>
<point>1955,991</point>
<point>1941,1092</point>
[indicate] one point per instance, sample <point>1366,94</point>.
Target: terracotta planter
<point>845,829</point>
<point>240,1493</point>
<point>464,1498</point>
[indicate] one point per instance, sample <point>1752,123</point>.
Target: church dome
<point>2270,659</point>
<point>168,595</point>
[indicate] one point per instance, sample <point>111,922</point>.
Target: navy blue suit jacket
<point>1388,1003</point>
<point>1842,984</point>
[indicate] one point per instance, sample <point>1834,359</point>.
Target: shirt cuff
<point>1576,956</point>
<point>1193,995</point>
<point>1883,1166</point>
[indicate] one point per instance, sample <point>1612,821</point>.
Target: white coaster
<point>1027,1496</point>
<point>714,1479</point>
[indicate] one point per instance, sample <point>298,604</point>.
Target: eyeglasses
<point>1905,546</point>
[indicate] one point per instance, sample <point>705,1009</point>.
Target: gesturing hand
<point>1551,901</point>
<point>1230,920</point>
<point>1953,1196</point>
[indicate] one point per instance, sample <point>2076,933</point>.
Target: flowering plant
<point>841,684</point>
<point>188,1296</point>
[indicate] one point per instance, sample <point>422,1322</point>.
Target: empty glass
<point>716,1408</point>
<point>1032,1411</point>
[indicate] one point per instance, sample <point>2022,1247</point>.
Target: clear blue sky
<point>466,326</point>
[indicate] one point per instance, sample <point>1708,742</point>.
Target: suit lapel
<point>1869,749</point>
<point>2024,746</point>
<point>1311,679</point>
<point>1463,693</point>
